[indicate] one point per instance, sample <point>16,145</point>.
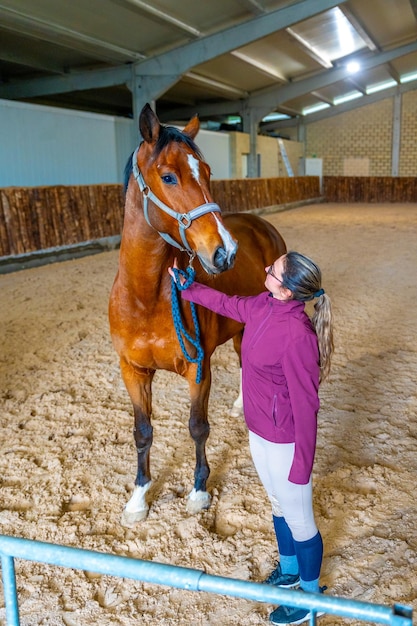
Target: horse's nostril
<point>222,261</point>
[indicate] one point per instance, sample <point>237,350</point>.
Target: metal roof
<point>217,58</point>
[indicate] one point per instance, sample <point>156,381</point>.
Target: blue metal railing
<point>182,578</point>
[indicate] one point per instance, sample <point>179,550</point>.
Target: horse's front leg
<point>139,386</point>
<point>199,498</point>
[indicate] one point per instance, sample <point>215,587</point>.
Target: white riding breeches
<point>293,502</point>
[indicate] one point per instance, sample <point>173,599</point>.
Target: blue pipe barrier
<point>181,578</point>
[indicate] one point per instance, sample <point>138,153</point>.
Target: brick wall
<point>359,142</point>
<point>364,133</point>
<point>408,151</point>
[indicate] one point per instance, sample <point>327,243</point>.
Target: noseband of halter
<point>184,219</point>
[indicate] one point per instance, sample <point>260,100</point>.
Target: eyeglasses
<point>272,273</point>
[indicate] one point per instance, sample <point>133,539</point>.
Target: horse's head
<point>175,182</point>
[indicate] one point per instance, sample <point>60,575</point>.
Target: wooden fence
<point>252,193</point>
<point>369,189</point>
<point>39,218</point>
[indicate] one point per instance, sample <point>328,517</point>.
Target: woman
<point>284,357</point>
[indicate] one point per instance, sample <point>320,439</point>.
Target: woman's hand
<point>172,274</point>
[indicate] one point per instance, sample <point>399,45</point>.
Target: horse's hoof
<point>136,510</point>
<point>198,501</point>
<point>130,518</point>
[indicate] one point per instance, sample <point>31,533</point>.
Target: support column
<point>251,117</point>
<point>396,135</point>
<point>146,89</point>
<point>301,137</point>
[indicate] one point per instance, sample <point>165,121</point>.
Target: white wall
<point>42,145</point>
<point>216,151</point>
<point>48,146</point>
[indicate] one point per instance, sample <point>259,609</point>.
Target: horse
<point>170,214</point>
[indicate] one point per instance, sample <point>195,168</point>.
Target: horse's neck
<point>144,255</point>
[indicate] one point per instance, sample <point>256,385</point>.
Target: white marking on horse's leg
<point>137,508</point>
<point>237,408</point>
<point>228,242</point>
<point>197,501</point>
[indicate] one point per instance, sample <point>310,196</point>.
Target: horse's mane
<point>127,172</point>
<point>167,135</point>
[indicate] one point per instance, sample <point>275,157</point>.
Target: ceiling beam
<point>109,77</point>
<point>393,73</point>
<point>163,16</point>
<point>265,69</point>
<point>342,108</point>
<point>357,85</point>
<point>198,79</point>
<point>176,62</point>
<point>322,98</point>
<point>254,6</point>
<point>268,100</point>
<point>35,28</point>
<point>308,49</point>
<point>360,29</point>
<point>42,64</point>
<point>299,88</point>
<point>190,55</point>
<point>414,7</point>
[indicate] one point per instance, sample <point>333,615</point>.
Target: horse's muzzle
<point>224,259</point>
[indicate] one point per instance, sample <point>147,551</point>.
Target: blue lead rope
<point>178,323</point>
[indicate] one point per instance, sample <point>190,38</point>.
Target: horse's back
<point>253,230</point>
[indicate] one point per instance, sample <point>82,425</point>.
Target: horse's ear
<point>149,124</point>
<point>192,127</point>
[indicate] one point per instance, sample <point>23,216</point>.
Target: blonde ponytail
<point>322,321</point>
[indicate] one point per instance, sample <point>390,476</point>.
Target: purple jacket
<point>280,369</point>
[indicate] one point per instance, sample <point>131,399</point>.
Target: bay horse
<point>170,213</point>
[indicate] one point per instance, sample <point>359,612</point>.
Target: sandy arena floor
<point>67,456</point>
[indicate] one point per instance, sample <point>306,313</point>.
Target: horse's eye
<point>169,179</point>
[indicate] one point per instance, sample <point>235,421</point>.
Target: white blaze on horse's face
<point>195,170</point>
<point>194,166</point>
<point>229,243</point>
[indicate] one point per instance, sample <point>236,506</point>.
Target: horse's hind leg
<point>139,386</point>
<point>237,408</point>
<point>199,498</point>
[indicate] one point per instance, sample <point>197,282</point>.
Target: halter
<point>184,219</point>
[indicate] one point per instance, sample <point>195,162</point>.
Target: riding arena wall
<point>41,218</point>
<point>355,147</point>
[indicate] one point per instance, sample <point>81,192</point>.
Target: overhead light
<point>381,86</point>
<point>407,78</point>
<point>315,108</point>
<point>275,117</point>
<point>349,96</point>
<point>353,67</point>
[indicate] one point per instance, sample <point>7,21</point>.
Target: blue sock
<point>287,555</point>
<point>312,586</point>
<point>289,564</point>
<point>310,556</point>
